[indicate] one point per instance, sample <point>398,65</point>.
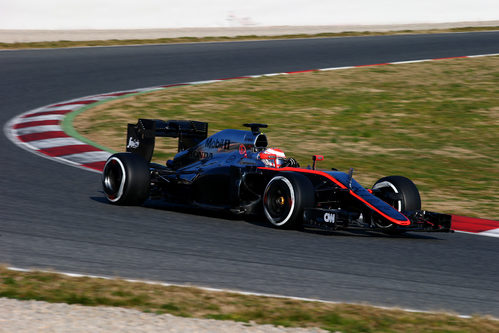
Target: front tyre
<point>399,192</point>
<point>284,199</point>
<point>125,179</point>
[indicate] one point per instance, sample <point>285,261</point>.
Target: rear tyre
<point>399,192</point>
<point>125,179</point>
<point>284,199</point>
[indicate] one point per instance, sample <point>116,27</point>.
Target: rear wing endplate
<point>141,136</point>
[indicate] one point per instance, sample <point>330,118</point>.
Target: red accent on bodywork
<point>472,224</point>
<point>242,149</point>
<point>337,182</point>
<point>43,136</point>
<point>316,172</point>
<point>36,123</point>
<point>406,222</point>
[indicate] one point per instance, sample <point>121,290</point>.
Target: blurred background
<point>154,14</point>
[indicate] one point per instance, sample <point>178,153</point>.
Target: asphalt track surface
<point>54,216</point>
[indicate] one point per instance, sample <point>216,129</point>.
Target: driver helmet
<point>273,157</point>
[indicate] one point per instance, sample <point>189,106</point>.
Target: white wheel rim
<point>107,180</point>
<point>272,220</point>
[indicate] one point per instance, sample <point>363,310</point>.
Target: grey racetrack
<point>54,216</point>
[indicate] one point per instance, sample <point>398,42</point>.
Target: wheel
<point>400,192</point>
<point>285,197</point>
<point>125,179</point>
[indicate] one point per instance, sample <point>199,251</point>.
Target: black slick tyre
<point>400,192</point>
<point>125,179</point>
<point>284,199</point>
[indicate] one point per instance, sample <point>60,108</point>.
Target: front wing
<point>336,219</point>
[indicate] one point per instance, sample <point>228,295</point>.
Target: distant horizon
<point>158,14</point>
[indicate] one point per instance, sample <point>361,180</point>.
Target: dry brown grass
<point>194,302</point>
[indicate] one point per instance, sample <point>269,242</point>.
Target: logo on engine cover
<point>133,143</point>
<point>329,218</point>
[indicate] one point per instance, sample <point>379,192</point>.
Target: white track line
<point>239,292</point>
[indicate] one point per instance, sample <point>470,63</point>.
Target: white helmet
<point>272,157</point>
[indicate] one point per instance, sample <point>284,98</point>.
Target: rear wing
<point>141,136</point>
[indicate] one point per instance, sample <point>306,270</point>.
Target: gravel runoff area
<point>13,36</point>
<point>35,316</point>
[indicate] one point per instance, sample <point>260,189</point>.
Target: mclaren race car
<point>235,170</point>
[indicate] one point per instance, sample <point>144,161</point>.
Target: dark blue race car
<point>235,170</point>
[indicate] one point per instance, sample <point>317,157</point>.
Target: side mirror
<point>316,158</point>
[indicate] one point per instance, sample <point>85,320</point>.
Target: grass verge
<point>194,302</point>
<point>113,42</point>
<point>436,123</point>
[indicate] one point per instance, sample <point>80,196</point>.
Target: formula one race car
<point>234,170</point>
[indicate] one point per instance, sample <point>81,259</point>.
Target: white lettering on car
<point>133,143</point>
<point>329,218</point>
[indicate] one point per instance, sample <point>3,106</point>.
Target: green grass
<point>436,123</point>
<point>193,302</point>
<point>112,42</point>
